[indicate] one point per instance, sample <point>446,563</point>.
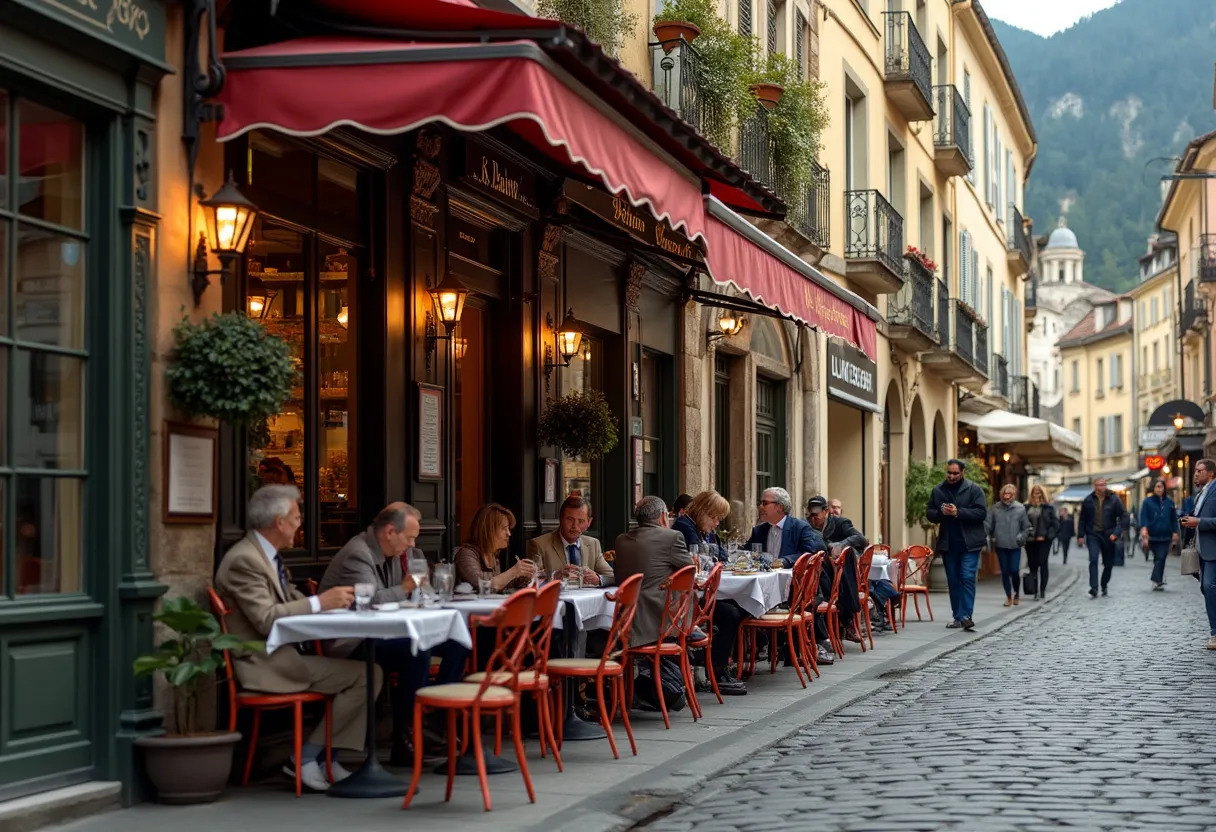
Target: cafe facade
<point>436,217</point>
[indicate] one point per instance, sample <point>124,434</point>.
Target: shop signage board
<point>1153,437</point>
<point>137,26</point>
<point>503,178</point>
<point>637,222</point>
<point>1154,462</point>
<point>852,377</point>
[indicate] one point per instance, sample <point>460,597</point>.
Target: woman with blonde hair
<point>1044,526</point>
<point>490,533</point>
<point>701,518</point>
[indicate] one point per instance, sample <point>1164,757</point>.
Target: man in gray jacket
<point>376,556</point>
<point>1008,526</point>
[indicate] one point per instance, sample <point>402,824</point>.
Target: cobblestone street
<point>1090,714</point>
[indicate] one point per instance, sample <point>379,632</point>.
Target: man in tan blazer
<point>568,549</point>
<point>255,586</point>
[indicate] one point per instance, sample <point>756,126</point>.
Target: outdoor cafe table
<point>883,568</point>
<point>425,628</point>
<point>758,592</point>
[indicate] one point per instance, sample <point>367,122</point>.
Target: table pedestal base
<point>577,729</point>
<point>371,780</point>
<point>467,764</point>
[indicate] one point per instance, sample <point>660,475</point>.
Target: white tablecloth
<point>884,569</point>
<point>593,610</point>
<point>758,593</point>
<point>424,628</point>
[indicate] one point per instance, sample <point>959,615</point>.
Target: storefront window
<point>42,349</point>
<point>578,476</point>
<point>654,416</point>
<point>770,435</point>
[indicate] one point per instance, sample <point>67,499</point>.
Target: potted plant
<point>682,20</point>
<point>917,256</point>
<point>579,423</point>
<point>604,21</point>
<point>767,93</point>
<point>230,368</point>
<point>189,765</point>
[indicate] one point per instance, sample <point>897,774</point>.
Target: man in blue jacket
<point>959,507</point>
<point>781,534</point>
<point>1102,522</point>
<point>1201,521</point>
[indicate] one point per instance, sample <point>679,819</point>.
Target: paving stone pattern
<point>1088,714</point>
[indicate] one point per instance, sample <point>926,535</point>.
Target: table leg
<point>575,641</point>
<point>371,780</point>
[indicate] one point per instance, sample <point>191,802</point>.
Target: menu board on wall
<point>430,432</point>
<point>189,473</point>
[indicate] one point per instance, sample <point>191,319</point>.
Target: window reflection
<point>578,476</point>
<point>336,422</point>
<point>48,410</point>
<point>48,535</point>
<point>50,159</point>
<point>49,292</point>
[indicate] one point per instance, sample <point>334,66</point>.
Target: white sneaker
<point>338,771</point>
<point>313,774</point>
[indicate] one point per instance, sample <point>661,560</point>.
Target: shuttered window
<point>800,43</point>
<point>987,155</point>
<point>745,17</point>
<point>1011,185</point>
<point>964,259</point>
<point>772,26</point>
<point>970,121</point>
<point>1102,444</point>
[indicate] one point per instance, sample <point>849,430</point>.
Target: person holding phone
<point>1102,522</point>
<point>1200,522</point>
<point>959,507</point>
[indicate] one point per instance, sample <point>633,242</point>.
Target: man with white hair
<point>255,586</point>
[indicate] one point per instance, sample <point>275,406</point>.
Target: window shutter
<point>970,121</point>
<point>1012,182</point>
<point>964,264</point>
<point>745,17</point>
<point>987,155</point>
<point>800,43</point>
<point>772,26</point>
<point>977,287</point>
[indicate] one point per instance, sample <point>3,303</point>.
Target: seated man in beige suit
<point>567,549</point>
<point>254,585</point>
<point>655,552</point>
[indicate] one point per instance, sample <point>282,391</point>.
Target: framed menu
<point>430,432</point>
<point>550,481</point>
<point>189,486</point>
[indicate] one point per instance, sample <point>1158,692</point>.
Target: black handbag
<point>1030,584</point>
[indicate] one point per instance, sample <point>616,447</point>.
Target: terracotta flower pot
<point>191,769</point>
<point>767,94</point>
<point>668,32</point>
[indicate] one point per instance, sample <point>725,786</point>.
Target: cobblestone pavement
<point>1089,714</point>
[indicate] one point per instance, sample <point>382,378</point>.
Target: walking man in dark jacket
<point>959,507</point>
<point>1068,530</point>
<point>1102,522</point>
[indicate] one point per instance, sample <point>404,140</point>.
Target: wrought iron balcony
<point>981,347</point>
<point>675,78</point>
<point>1023,396</point>
<point>1207,258</point>
<point>1194,311</point>
<point>910,314</point>
<point>756,148</point>
<point>874,242</point>
<point>943,313</point>
<point>1017,243</point>
<point>1000,376</point>
<point>951,132</point>
<point>909,70</point>
<point>1032,295</point>
<point>964,332</point>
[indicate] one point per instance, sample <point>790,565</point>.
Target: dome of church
<point>1062,237</point>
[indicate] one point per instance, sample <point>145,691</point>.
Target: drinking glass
<point>484,587</point>
<point>417,566</point>
<point>444,579</point>
<point>363,597</point>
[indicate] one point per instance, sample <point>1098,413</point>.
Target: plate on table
<point>388,606</point>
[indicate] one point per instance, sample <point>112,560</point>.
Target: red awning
<point>309,86</point>
<point>741,255</point>
<point>433,15</point>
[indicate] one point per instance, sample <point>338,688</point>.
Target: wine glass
<point>363,597</point>
<point>417,566</point>
<point>444,579</point>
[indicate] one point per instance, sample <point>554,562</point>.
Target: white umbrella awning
<point>1036,440</point>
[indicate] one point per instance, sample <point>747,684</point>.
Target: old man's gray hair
<point>648,511</point>
<point>394,515</point>
<point>269,503</point>
<point>781,497</point>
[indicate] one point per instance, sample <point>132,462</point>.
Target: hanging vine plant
<point>604,21</point>
<point>581,424</point>
<point>796,124</point>
<point>229,368</point>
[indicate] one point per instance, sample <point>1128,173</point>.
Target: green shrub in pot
<point>581,424</point>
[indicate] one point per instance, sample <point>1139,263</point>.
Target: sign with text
<point>137,25</point>
<point>636,222</point>
<point>504,178</point>
<point>852,377</point>
<point>1152,438</point>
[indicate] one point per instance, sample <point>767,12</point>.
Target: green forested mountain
<point>1118,89</point>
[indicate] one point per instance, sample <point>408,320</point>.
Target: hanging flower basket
<point>767,94</point>
<point>670,31</point>
<point>581,424</point>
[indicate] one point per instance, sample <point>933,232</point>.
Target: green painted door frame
<point>105,72</point>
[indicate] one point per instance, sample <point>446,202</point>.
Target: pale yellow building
<point>1099,403</point>
<point>1155,339</point>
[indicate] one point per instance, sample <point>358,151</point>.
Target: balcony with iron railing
<point>874,242</point>
<point>809,211</point>
<point>909,69</point>
<point>1017,241</point>
<point>674,65</point>
<point>954,356</point>
<point>1194,316</point>
<point>1023,396</point>
<point>981,346</point>
<point>910,314</point>
<point>1032,300</point>
<point>999,382</point>
<point>951,131</point>
<point>1207,258</point>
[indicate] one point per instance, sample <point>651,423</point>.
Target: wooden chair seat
<point>581,667</point>
<point>463,695</point>
<point>527,680</point>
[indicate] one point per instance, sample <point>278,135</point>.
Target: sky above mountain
<point>1043,17</point>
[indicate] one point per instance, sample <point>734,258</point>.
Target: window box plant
<point>189,765</point>
<point>604,21</point>
<point>916,255</point>
<point>581,424</point>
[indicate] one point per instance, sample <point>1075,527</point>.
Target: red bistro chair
<point>901,560</point>
<point>512,622</point>
<point>790,621</point>
<point>258,702</point>
<point>830,609</point>
<point>673,640</point>
<point>864,564</point>
<point>916,581</point>
<point>704,618</point>
<point>608,666</point>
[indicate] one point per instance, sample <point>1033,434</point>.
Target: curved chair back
<point>625,599</point>
<point>512,623</point>
<point>677,611</point>
<point>709,596</point>
<point>541,632</point>
<point>799,585</point>
<point>220,610</point>
<point>919,559</point>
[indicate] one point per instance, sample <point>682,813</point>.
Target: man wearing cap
<point>839,530</point>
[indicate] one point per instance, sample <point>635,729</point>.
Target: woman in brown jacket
<point>489,534</point>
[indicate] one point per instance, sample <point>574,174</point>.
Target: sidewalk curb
<point>658,790</point>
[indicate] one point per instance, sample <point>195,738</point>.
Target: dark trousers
<point>1037,553</point>
<point>1065,545</point>
<point>1161,553</point>
<point>1100,544</point>
<point>414,672</point>
<point>728,618</point>
<point>1011,562</point>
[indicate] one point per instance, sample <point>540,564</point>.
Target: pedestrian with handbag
<point>1201,540</point>
<point>1008,527</point>
<point>1044,526</point>
<point>1159,530</point>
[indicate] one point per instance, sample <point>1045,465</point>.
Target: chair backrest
<point>864,563</point>
<point>541,632</point>
<point>919,559</point>
<point>901,558</point>
<point>220,610</point>
<point>625,599</point>
<point>677,611</point>
<point>709,596</point>
<point>512,623</point>
<point>798,586</point>
<point>838,563</point>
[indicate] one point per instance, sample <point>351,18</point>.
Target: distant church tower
<point>1062,260</point>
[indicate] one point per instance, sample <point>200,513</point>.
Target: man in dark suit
<point>781,535</point>
<point>1201,522</point>
<point>839,530</point>
<point>1103,520</point>
<point>655,552</point>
